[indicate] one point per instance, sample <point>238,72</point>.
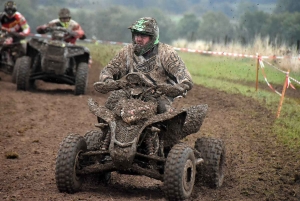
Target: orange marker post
<point>285,85</point>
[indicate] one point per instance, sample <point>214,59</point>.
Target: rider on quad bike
<point>56,60</point>
<point>159,62</point>
<point>138,132</point>
<point>14,28</point>
<point>74,29</point>
<point>13,21</point>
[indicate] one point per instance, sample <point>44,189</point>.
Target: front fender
<point>75,50</point>
<point>101,111</point>
<point>179,123</point>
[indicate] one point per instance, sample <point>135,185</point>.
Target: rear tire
<point>180,171</point>
<point>67,163</point>
<point>81,81</point>
<point>23,73</point>
<point>211,171</point>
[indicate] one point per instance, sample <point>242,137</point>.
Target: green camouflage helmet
<point>148,26</point>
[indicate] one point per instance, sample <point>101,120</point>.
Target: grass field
<point>235,75</point>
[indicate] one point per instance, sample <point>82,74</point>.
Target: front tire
<point>23,73</point>
<point>211,171</point>
<point>180,171</point>
<point>81,81</point>
<point>15,71</point>
<point>67,163</point>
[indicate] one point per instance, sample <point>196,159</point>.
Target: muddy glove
<point>47,29</point>
<point>173,90</point>
<point>107,86</point>
<point>43,29</point>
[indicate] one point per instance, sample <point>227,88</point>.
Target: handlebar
<point>56,28</point>
<point>130,80</point>
<point>138,80</point>
<point>4,33</point>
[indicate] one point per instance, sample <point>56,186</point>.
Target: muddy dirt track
<point>32,124</point>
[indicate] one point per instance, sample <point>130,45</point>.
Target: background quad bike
<point>14,50</point>
<point>55,61</point>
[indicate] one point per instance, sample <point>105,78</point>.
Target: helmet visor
<point>142,34</point>
<point>9,11</point>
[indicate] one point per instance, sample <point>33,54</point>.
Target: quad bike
<point>53,60</point>
<point>10,52</point>
<point>133,138</point>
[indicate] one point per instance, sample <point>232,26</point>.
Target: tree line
<point>111,23</point>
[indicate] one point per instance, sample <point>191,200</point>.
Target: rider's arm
<point>175,67</point>
<point>19,25</point>
<point>116,68</point>
<point>23,25</point>
<point>78,30</point>
<point>42,29</point>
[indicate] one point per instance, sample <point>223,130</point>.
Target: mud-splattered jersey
<point>163,67</point>
<point>16,23</point>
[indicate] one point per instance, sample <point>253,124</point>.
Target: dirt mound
<point>34,123</point>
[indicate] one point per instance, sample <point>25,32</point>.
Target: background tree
<point>245,6</point>
<point>290,6</point>
<point>215,26</point>
<point>188,26</point>
<point>240,20</point>
<point>252,24</point>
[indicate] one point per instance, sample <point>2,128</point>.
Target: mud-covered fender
<point>101,111</point>
<point>80,53</point>
<point>36,43</point>
<point>180,123</point>
<point>195,117</point>
<point>75,50</point>
<point>162,117</point>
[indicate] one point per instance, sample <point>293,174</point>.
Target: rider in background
<point>159,62</point>
<point>15,24</point>
<point>13,21</point>
<point>74,29</point>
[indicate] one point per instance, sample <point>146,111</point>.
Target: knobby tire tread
<point>81,78</point>
<point>213,153</point>
<point>65,173</point>
<point>173,171</point>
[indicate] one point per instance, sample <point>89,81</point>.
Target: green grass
<point>235,75</point>
<point>102,53</point>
